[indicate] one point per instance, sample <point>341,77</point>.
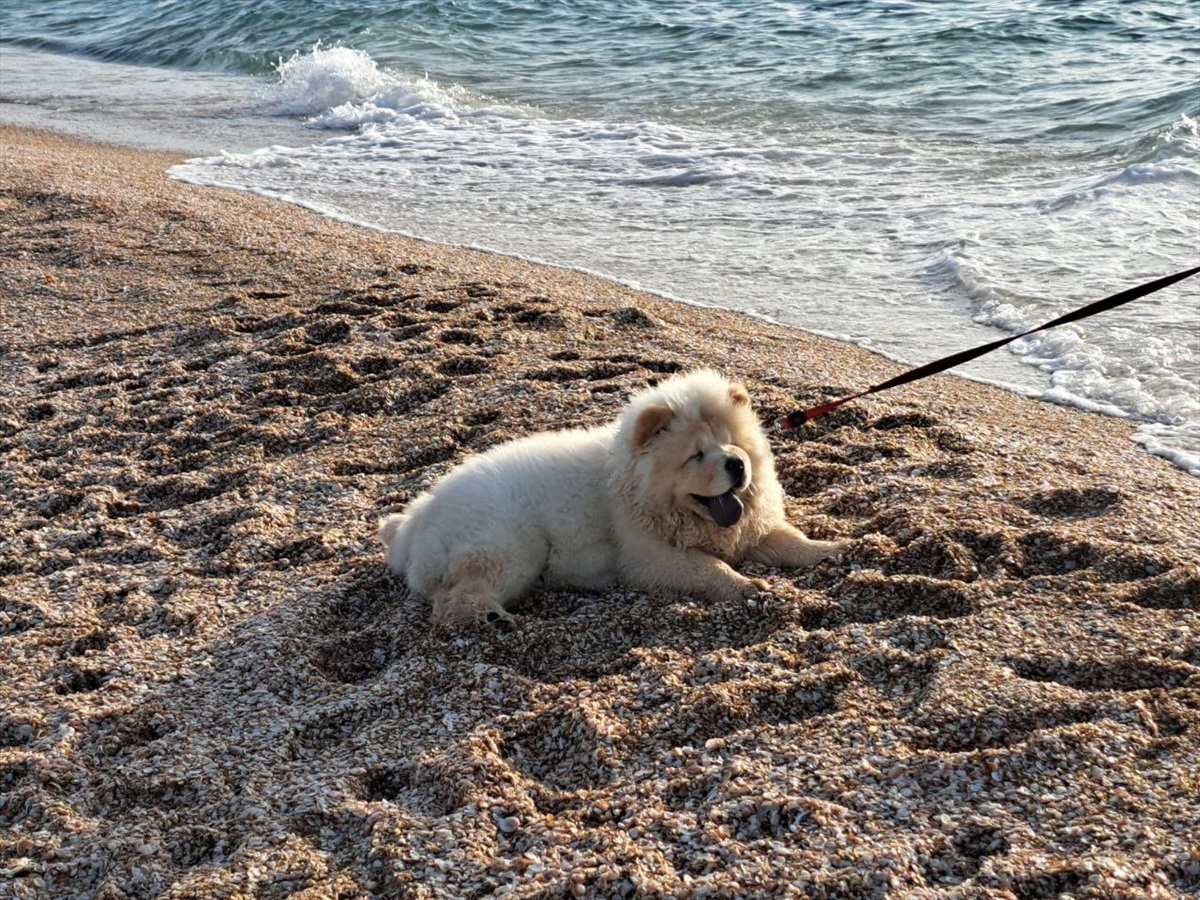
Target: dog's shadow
<point>558,636</point>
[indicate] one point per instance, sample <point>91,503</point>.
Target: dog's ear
<point>650,421</point>
<point>739,395</point>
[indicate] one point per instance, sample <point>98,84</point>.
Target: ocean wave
<point>1163,155</point>
<point>341,88</point>
<point>324,78</point>
<point>1146,173</point>
<point>1166,153</point>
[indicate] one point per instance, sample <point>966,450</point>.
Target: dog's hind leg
<point>467,602</point>
<point>482,587</point>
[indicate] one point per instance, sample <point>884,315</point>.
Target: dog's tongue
<point>725,509</point>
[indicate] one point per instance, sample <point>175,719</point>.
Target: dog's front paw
<point>750,587</point>
<point>838,547</point>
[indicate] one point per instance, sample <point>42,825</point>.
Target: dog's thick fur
<point>669,497</point>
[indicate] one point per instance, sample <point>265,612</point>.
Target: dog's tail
<point>396,533</point>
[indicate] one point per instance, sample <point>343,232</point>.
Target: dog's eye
<point>698,456</point>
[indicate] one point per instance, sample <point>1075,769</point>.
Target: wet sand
<point>211,687</point>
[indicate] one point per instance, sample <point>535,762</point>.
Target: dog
<point>669,497</point>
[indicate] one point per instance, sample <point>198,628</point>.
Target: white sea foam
<point>1175,443</point>
<point>338,88</point>
<point>324,78</point>
<point>274,157</point>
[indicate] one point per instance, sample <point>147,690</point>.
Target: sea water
<point>915,177</point>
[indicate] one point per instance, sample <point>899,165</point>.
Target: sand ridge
<point>213,688</point>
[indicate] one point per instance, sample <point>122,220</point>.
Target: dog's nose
<point>736,468</point>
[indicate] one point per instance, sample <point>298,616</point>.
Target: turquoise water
<point>917,177</point>
<point>1047,68</point>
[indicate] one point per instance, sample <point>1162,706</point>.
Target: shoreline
<point>211,685</point>
<point>663,296</point>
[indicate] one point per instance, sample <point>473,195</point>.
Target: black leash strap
<point>800,416</point>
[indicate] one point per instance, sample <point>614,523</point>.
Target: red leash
<point>800,416</point>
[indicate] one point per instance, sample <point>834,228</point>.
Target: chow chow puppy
<point>669,497</point>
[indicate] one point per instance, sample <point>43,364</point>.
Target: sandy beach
<point>210,686</point>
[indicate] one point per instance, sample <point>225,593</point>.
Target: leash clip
<point>781,425</point>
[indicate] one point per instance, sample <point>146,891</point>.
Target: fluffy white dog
<point>669,497</point>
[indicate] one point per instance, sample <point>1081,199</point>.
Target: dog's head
<point>695,451</point>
